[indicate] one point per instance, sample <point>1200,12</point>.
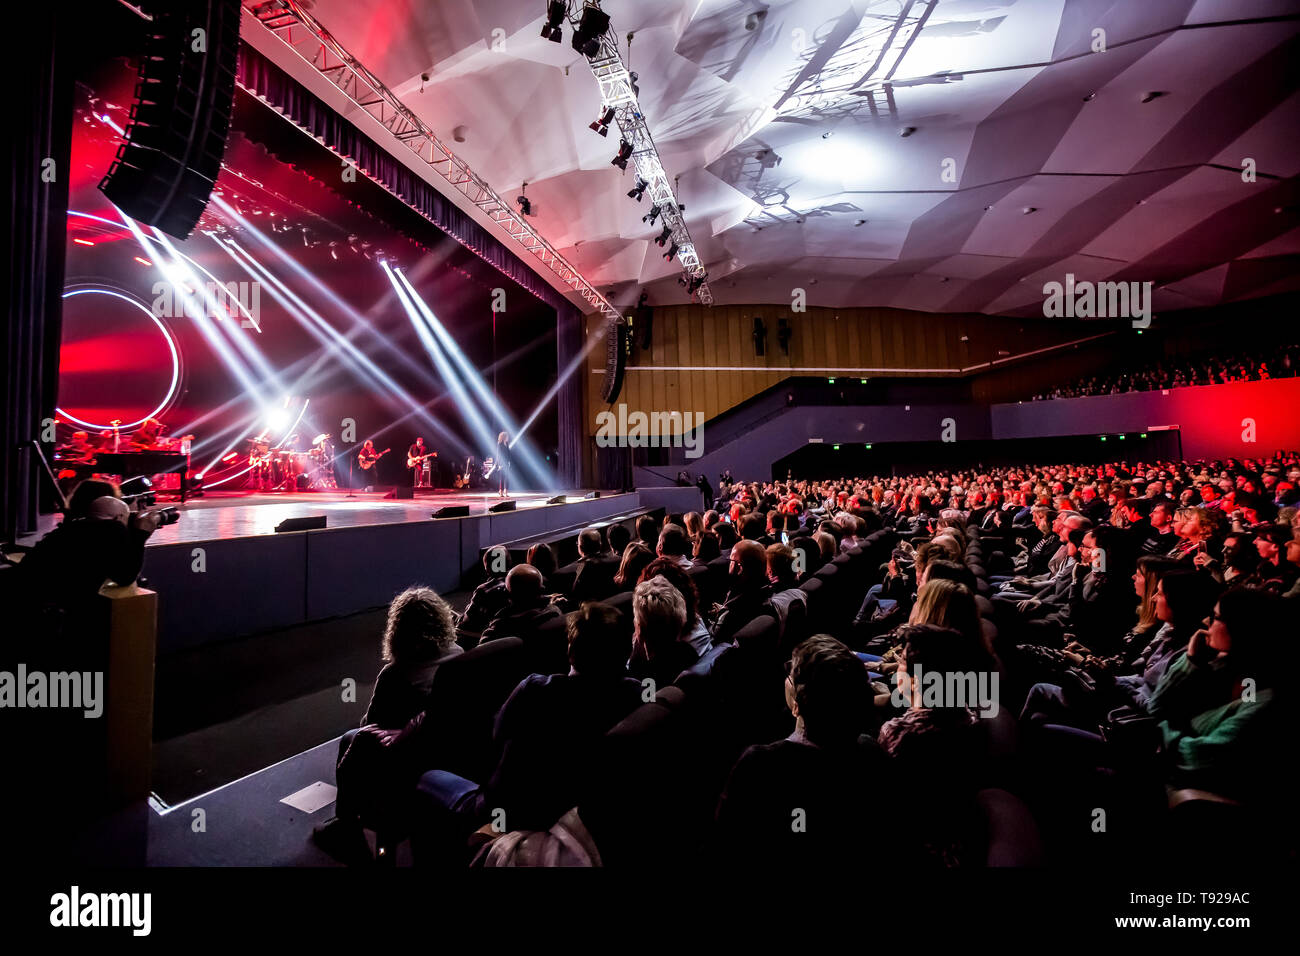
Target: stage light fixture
<point>663,236</point>
<point>601,123</point>
<point>638,191</point>
<point>671,253</point>
<point>624,154</point>
<point>525,206</point>
<point>592,26</point>
<point>651,216</point>
<point>555,11</point>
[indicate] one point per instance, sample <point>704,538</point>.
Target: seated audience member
<point>697,632</point>
<point>706,548</point>
<point>542,557</point>
<point>659,648</point>
<point>727,537</point>
<point>419,636</point>
<point>807,556</point>
<point>891,599</point>
<point>675,545</point>
<point>748,591</point>
<point>594,580</point>
<point>828,545</point>
<point>938,745</point>
<point>545,737</point>
<point>1069,699</point>
<point>635,558</point>
<point>1274,572</point>
<point>619,537</point>
<point>489,597</point>
<point>1157,531</point>
<point>1193,528</point>
<point>694,525</point>
<point>811,776</point>
<point>99,540</point>
<point>1214,702</point>
<point>647,531</point>
<point>780,568</point>
<point>527,608</point>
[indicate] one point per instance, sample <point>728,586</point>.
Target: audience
<point>1093,601</point>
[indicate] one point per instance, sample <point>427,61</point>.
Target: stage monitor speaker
<point>591,494</point>
<point>170,158</point>
<point>452,511</point>
<point>502,506</point>
<point>309,523</point>
<point>405,492</point>
<point>557,500</point>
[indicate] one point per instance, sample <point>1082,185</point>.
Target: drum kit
<point>284,469</point>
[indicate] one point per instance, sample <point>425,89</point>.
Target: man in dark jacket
<point>594,578</point>
<point>527,608</point>
<point>749,590</point>
<point>489,597</point>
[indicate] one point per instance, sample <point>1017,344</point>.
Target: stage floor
<point>220,515</point>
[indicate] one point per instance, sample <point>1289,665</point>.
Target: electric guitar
<point>368,461</point>
<point>414,461</point>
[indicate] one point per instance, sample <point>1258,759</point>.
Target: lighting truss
<point>616,91</point>
<point>301,33</point>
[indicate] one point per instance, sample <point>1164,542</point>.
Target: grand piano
<point>129,464</point>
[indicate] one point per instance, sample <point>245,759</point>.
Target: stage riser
<point>263,582</point>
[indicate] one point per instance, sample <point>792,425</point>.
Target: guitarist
<point>367,458</point>
<point>416,456</point>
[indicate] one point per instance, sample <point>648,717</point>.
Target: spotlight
<point>636,90</point>
<point>555,11</point>
<point>525,206</point>
<point>601,125</point>
<point>638,191</point>
<point>624,153</point>
<point>650,217</point>
<point>592,26</point>
<point>672,251</point>
<point>663,236</point>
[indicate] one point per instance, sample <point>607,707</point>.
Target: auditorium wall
<point>703,359</point>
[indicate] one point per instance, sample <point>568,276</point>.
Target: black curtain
<point>569,424</point>
<point>38,150</point>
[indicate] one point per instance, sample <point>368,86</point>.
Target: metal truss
<point>301,33</point>
<point>616,91</point>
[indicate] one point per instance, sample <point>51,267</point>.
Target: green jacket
<point>1212,742</point>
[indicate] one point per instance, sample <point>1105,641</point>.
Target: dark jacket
<point>784,806</point>
<point>521,619</point>
<point>545,737</point>
<point>484,604</point>
<point>739,609</point>
<point>594,580</point>
<point>402,690</point>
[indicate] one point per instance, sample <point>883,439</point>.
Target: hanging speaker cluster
<point>615,360</point>
<point>165,170</point>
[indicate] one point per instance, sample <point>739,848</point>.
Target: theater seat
<point>466,694</point>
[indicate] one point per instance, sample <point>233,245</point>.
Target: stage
<point>223,572</point>
<point>220,515</point>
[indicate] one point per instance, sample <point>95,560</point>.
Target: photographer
<point>100,539</point>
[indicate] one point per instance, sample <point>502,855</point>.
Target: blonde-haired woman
<point>502,462</point>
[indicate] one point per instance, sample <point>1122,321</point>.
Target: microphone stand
<point>352,491</point>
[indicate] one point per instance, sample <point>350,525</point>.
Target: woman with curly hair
<point>419,636</point>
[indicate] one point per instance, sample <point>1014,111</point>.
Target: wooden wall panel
<point>717,342</point>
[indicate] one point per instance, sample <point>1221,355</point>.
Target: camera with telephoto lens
<point>167,515</point>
